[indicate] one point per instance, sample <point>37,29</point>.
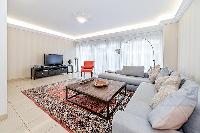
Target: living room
<point>87,66</point>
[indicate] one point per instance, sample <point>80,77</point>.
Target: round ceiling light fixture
<point>81,17</point>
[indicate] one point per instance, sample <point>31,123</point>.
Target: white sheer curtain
<point>135,50</point>
<point>100,51</point>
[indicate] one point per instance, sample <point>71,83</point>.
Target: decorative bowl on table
<point>101,82</point>
<point>84,81</point>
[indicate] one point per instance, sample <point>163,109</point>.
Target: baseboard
<point>3,117</point>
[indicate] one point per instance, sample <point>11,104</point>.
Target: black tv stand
<point>46,71</point>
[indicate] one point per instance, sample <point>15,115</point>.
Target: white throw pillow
<point>175,110</point>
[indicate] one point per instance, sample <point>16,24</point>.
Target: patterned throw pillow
<point>153,73</point>
<point>162,94</point>
<point>173,80</point>
<point>165,88</point>
<point>159,81</point>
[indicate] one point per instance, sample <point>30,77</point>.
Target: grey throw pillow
<point>146,75</point>
<point>164,72</point>
<point>175,110</point>
<point>137,71</point>
<point>118,72</point>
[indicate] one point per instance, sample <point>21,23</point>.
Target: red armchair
<point>88,67</point>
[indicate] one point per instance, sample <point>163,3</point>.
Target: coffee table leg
<point>125,90</point>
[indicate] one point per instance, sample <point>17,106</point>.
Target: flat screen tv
<point>53,60</point>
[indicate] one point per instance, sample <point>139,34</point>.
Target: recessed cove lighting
<point>36,28</point>
<point>81,19</point>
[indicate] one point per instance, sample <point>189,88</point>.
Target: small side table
<point>70,69</point>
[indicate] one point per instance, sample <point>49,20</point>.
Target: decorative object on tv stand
<point>70,68</point>
<point>69,61</point>
<point>119,50</point>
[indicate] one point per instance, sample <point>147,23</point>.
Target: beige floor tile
<point>22,129</point>
<point>58,129</point>
<point>23,115</point>
<point>17,99</point>
<point>41,126</point>
<point>29,115</point>
<point>11,123</point>
<point>23,105</point>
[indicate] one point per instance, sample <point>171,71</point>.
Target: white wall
<point>189,42</point>
<point>26,49</point>
<point>3,58</point>
<point>170,38</point>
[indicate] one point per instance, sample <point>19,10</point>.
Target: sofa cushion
<point>192,125</point>
<point>173,112</point>
<point>139,103</point>
<point>137,71</point>
<point>123,78</point>
<point>144,93</point>
<point>138,108</point>
<point>124,122</point>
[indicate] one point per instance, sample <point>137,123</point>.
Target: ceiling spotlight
<point>81,16</point>
<point>81,19</point>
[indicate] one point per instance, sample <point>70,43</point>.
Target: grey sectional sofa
<point>134,118</point>
<point>132,81</point>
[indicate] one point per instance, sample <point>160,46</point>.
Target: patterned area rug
<point>51,99</point>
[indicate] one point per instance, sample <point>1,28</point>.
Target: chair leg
<point>91,74</point>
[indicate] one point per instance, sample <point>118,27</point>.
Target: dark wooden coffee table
<point>105,94</point>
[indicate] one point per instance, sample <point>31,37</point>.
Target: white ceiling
<point>58,15</point>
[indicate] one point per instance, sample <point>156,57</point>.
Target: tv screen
<point>53,59</point>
